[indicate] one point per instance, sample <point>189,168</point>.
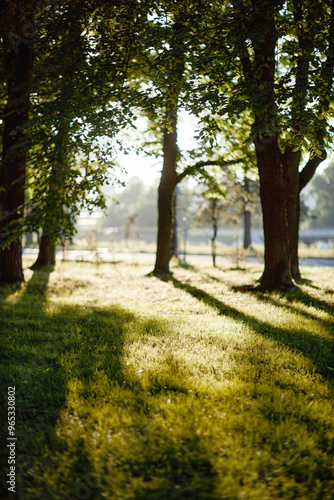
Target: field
<point>131,387</point>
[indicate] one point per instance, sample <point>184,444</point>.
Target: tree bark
<point>166,189</point>
<point>291,160</point>
<point>277,271</point>
<point>47,253</point>
<point>18,67</point>
<point>169,176</point>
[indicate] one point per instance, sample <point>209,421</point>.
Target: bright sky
<point>149,168</point>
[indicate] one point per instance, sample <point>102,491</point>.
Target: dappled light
<point>166,250</point>
<point>189,390</point>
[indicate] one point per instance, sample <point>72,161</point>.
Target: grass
<point>130,387</point>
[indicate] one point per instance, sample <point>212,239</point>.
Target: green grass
<point>130,387</point>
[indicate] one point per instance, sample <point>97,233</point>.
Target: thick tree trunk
<point>11,264</point>
<point>167,186</point>
<point>18,66</point>
<point>277,270</point>
<point>47,253</point>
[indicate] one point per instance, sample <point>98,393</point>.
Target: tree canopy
<point>74,74</point>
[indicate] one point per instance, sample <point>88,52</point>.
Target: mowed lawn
<point>131,387</point>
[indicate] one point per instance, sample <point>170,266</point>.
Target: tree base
<point>264,287</point>
<point>47,254</point>
<point>42,267</point>
<point>162,274</point>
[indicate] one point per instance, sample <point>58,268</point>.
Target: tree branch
<point>191,170</point>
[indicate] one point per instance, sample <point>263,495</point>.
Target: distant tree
<point>130,229</point>
<point>322,188</point>
<point>188,203</point>
<point>224,203</point>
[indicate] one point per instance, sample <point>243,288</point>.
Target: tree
<point>18,57</point>
<point>226,198</point>
<point>289,102</point>
<point>160,75</point>
<point>71,130</point>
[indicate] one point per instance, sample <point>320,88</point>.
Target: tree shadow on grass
<point>319,350</point>
<point>64,361</point>
<point>294,294</point>
<point>309,300</point>
<point>306,281</point>
<point>292,306</point>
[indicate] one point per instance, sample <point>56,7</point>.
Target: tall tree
<point>277,60</point>
<point>162,77</point>
<point>71,129</point>
<point>18,56</point>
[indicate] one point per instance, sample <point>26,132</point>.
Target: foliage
<point>70,152</point>
<point>300,101</point>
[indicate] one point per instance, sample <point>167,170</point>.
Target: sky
<point>149,168</point>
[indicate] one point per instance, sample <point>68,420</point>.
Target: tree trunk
<point>53,208</point>
<point>167,186</point>
<point>247,229</point>
<point>47,253</point>
<point>175,245</point>
<point>18,67</point>
<point>277,271</point>
<point>295,182</point>
<point>247,217</point>
<point>215,230</point>
<point>169,177</point>
<point>291,178</point>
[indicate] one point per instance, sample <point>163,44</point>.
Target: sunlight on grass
<point>132,387</point>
